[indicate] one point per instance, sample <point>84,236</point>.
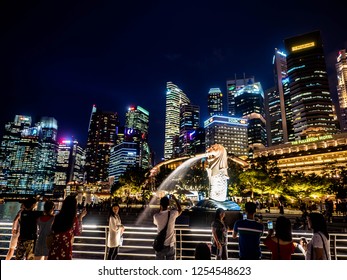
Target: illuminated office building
<point>122,156</point>
<point>30,156</point>
<point>250,105</point>
<point>276,121</point>
<point>26,156</point>
<point>69,166</point>
<point>137,118</point>
<point>49,151</point>
<point>189,123</point>
<point>136,130</point>
<point>215,102</point>
<point>229,132</point>
<point>341,69</point>
<point>233,86</point>
<point>175,98</point>
<point>101,138</point>
<point>311,103</point>
<point>12,135</point>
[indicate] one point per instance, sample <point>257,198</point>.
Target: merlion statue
<point>217,172</point>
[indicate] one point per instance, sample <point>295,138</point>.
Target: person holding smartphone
<point>280,244</point>
<point>249,232</point>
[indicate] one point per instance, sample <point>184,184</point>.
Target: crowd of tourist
<point>41,235</point>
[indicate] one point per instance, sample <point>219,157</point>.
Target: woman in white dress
<point>115,233</point>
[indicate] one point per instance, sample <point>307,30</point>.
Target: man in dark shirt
<point>28,230</point>
<point>249,232</point>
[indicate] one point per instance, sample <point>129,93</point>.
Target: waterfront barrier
<point>137,243</point>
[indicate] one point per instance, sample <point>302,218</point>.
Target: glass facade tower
<point>250,105</point>
<point>175,98</point>
<point>101,137</point>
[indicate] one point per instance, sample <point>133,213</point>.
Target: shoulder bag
<point>158,243</point>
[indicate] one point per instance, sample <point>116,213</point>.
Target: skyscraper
<point>28,156</point>
<point>49,152</point>
<point>233,86</point>
<point>276,122</point>
<point>101,137</point>
<point>311,103</point>
<point>70,165</point>
<point>25,160</point>
<point>250,105</point>
<point>11,136</point>
<point>189,123</point>
<point>122,155</point>
<point>136,130</point>
<point>175,98</point>
<point>341,69</point>
<point>215,102</point>
<point>229,132</point>
<point>137,118</point>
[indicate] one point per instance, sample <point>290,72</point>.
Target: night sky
<point>58,58</point>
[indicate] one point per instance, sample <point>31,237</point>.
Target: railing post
<point>335,250</point>
<point>106,232</point>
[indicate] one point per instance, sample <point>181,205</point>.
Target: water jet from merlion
<point>217,172</point>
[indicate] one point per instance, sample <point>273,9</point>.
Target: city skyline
<point>59,59</point>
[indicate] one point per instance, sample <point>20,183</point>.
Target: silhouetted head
<point>283,228</point>
<point>48,207</point>
<point>29,203</point>
<point>250,207</point>
<point>164,202</point>
<point>64,220</point>
<point>220,213</point>
<point>316,222</point>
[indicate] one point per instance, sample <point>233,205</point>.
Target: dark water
<point>9,209</point>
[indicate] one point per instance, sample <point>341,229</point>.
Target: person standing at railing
<point>115,232</point>
<point>44,227</point>
<point>319,246</point>
<point>15,234</point>
<point>249,232</point>
<point>160,220</point>
<point>28,230</point>
<point>219,236</point>
<point>67,223</point>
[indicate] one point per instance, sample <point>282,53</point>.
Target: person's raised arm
<point>178,204</point>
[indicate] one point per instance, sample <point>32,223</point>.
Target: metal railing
<point>137,244</point>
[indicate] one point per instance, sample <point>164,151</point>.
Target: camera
<point>270,225</point>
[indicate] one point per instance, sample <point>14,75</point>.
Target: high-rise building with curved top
<point>175,98</point>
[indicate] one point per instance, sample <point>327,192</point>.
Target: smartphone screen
<point>244,216</point>
<point>270,225</point>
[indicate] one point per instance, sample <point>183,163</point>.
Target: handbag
<point>158,243</point>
